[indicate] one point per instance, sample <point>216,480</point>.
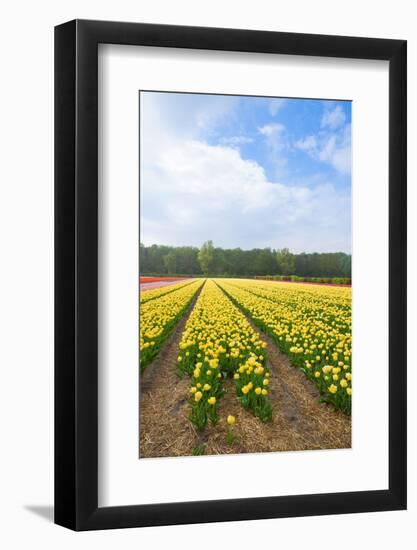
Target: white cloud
<point>308,144</point>
<point>328,149</point>
<point>236,141</point>
<point>192,191</point>
<point>333,118</point>
<point>188,115</point>
<point>277,141</point>
<point>333,148</point>
<point>273,129</point>
<point>342,159</point>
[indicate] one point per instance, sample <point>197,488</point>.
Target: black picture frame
<point>76,272</point>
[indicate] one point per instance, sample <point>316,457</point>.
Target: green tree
<point>265,262</point>
<point>286,262</point>
<point>189,260</point>
<point>206,256</point>
<point>170,262</point>
<point>345,265</point>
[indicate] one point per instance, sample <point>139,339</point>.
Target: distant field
<point>312,283</point>
<point>156,279</point>
<point>152,283</point>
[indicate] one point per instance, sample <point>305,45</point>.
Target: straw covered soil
<point>300,421</point>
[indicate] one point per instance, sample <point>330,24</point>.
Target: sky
<point>247,172</point>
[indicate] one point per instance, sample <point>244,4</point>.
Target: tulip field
<point>311,325</point>
<point>159,312</point>
<point>246,361</point>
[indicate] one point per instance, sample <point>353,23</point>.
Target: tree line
<point>235,262</point>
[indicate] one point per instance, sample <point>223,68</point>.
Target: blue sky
<point>245,171</point>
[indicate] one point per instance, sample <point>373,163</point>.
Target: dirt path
<point>299,422</point>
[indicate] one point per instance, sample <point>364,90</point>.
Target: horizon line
<point>246,249</point>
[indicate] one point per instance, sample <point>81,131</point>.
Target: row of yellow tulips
<point>217,342</point>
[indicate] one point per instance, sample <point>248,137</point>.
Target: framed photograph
<point>230,275</point>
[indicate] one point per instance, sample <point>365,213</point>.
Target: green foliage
<point>206,256</point>
<point>159,260</point>
<point>285,261</point>
<point>198,450</point>
<point>230,436</point>
<point>170,262</point>
<point>331,264</point>
<point>296,279</point>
